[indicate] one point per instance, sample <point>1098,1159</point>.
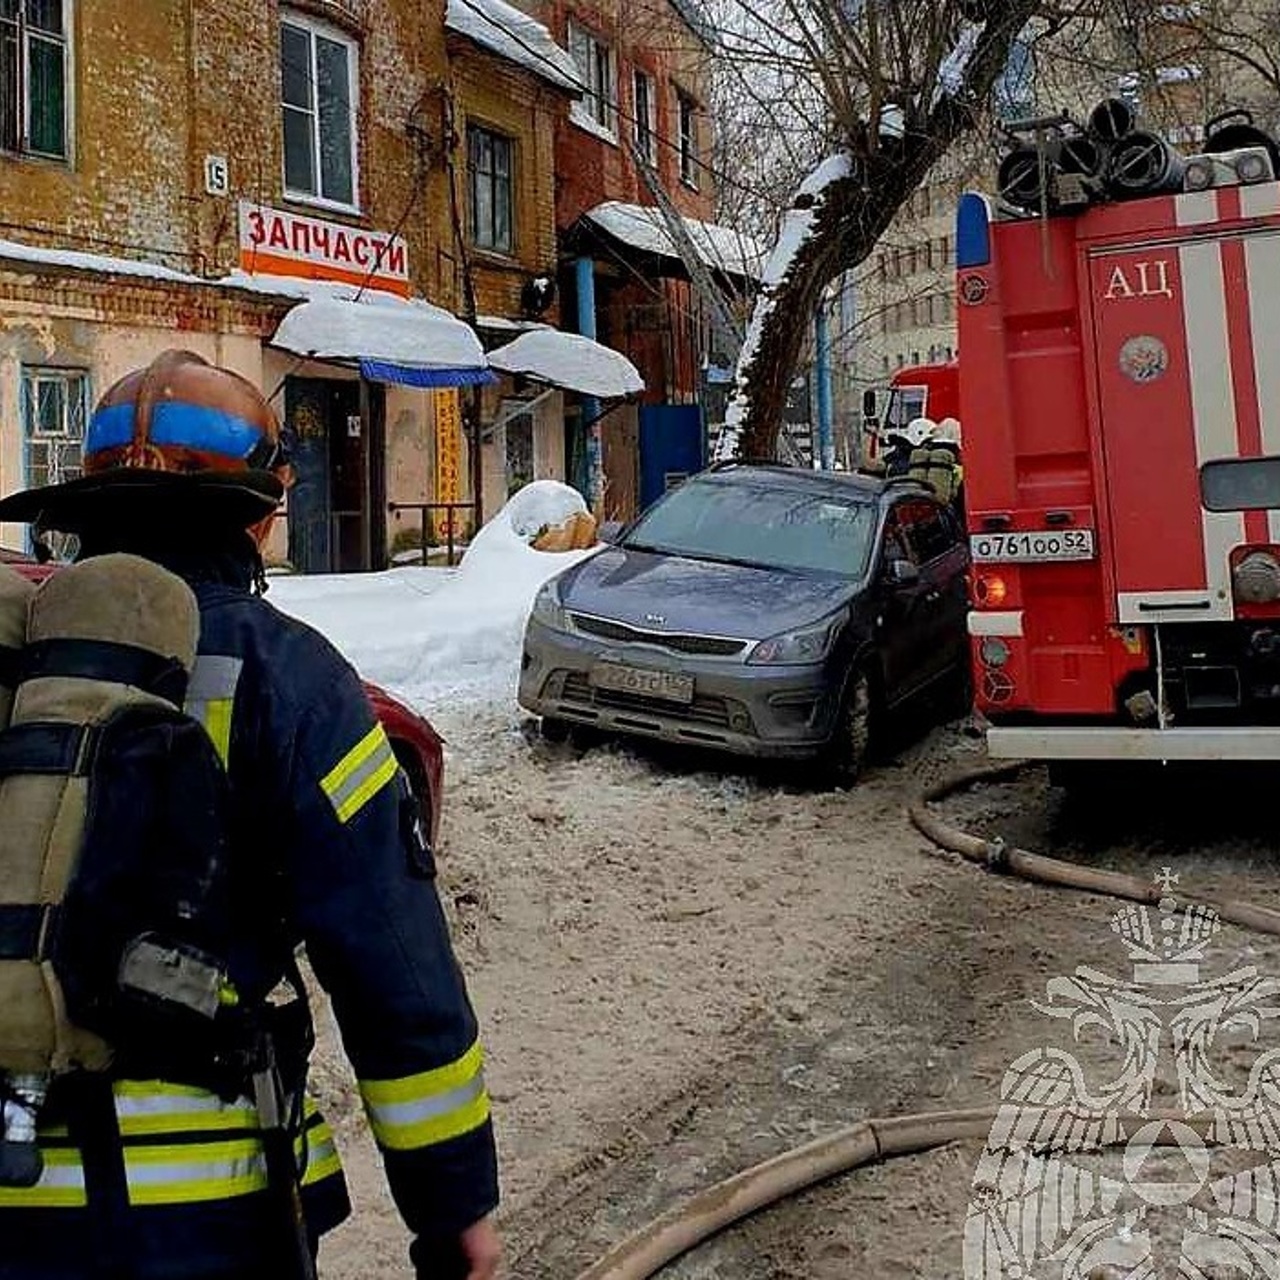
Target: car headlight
<point>796,648</point>
<point>548,609</point>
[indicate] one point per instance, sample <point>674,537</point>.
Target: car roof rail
<point>724,463</point>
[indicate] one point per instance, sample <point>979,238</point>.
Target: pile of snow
<point>436,637</point>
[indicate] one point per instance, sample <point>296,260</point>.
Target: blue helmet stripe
<point>190,426</point>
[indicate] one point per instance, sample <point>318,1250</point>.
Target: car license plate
<point>665,685</point>
<point>1030,546</point>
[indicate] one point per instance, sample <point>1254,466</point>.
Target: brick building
<point>224,174</point>
<point>622,276</point>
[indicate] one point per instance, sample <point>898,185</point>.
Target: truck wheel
<point>850,747</point>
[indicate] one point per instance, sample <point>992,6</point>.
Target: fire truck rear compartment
<point>1212,674</point>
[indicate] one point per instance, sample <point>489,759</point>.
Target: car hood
<point>702,597</point>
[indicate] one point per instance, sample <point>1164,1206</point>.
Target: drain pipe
<point>585,269</point>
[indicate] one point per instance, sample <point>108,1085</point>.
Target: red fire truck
<point>1120,397</point>
<point>917,391</point>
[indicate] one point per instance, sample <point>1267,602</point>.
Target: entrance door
<point>329,505</point>
<point>306,413</point>
<point>671,447</point>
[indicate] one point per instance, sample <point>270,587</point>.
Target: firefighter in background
<point>176,1188</point>
<point>935,461</point>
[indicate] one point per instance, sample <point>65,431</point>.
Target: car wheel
<point>554,730</point>
<point>850,748</point>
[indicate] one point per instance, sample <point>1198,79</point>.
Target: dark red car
<point>417,745</point>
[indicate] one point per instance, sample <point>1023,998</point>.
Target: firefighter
<point>183,466</point>
<point>935,460</point>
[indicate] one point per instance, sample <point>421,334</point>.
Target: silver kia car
<point>762,610</point>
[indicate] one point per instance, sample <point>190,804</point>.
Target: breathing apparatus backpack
<point>115,912</point>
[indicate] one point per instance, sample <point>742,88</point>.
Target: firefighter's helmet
<point>180,439</point>
<point>919,430</point>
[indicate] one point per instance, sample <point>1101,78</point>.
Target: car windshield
<point>770,526</point>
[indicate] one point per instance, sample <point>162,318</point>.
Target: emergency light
<point>1245,167</point>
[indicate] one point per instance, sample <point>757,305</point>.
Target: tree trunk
<point>855,212</point>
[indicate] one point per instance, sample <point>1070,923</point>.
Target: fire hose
<point>695,1220</point>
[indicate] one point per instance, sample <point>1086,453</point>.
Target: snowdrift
<point>429,634</point>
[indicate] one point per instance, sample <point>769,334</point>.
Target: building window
<point>489,160</point>
<point>318,91</point>
<point>33,77</point>
<point>688,135</point>
<point>595,63</point>
<point>646,126</point>
<point>54,406</point>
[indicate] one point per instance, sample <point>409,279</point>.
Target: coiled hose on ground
<point>643,1254</point>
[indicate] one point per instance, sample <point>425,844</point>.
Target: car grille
<point>702,710</point>
<point>607,629</point>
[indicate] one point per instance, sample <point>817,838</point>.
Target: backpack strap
<point>105,660</point>
<point>57,749</point>
<point>10,667</point>
<point>26,929</point>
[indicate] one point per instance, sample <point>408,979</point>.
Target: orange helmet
<point>182,414</point>
<point>180,439</point>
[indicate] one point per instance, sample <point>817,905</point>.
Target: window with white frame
<point>646,121</point>
<point>686,115</point>
<point>318,75</point>
<point>595,64</point>
<point>54,407</point>
<point>34,77</point>
<point>490,164</point>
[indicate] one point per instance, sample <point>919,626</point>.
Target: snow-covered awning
<point>501,28</point>
<point>392,340</point>
<point>642,228</point>
<point>570,361</point>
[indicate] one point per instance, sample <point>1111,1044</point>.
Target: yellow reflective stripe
<point>61,1186</point>
<point>189,1172</point>
<point>211,694</point>
<point>322,1154</point>
<point>430,1107</point>
<point>369,788</point>
<point>217,724</point>
<point>150,1108</point>
<point>360,774</point>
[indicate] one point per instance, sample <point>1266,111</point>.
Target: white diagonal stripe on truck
<point>1262,262</point>
<point>1204,310</point>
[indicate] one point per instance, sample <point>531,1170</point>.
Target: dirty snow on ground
<point>797,228</point>
<point>434,636</point>
<point>570,360</point>
<point>503,29</point>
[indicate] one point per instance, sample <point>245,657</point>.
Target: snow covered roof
<point>11,250</point>
<point>505,30</point>
<point>571,361</point>
<point>641,227</point>
<point>380,328</point>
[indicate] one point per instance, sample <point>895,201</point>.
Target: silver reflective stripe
<point>440,1104</point>
<point>214,677</point>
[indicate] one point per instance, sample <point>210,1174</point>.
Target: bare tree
<point>899,82</point>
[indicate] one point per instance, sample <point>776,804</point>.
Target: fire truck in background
<point>916,391</point>
<point>1120,394</point>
